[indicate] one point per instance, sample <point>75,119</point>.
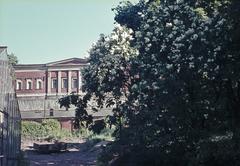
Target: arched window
<point>39,84</point>
<point>29,84</point>
<point>18,85</point>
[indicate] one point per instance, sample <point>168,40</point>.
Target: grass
<point>105,135</point>
<point>50,131</point>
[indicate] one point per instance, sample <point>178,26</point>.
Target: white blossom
<point>210,60</point>
<point>205,75</point>
<point>176,21</point>
<point>138,34</point>
<point>189,31</point>
<point>170,36</point>
<point>157,30</point>
<point>149,34</point>
<point>169,66</point>
<point>114,37</point>
<point>168,24</point>
<point>218,48</point>
<point>216,68</point>
<point>147,40</point>
<point>194,37</point>
<point>191,65</point>
<point>146,26</point>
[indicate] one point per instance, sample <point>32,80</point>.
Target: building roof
<point>29,66</point>
<point>65,62</point>
<point>72,61</point>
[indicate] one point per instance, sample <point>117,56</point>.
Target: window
<point>74,83</point>
<point>1,117</point>
<point>64,83</point>
<point>54,83</point>
<point>51,112</point>
<point>18,85</point>
<point>39,84</point>
<point>29,84</point>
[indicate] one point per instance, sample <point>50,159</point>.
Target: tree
<point>13,60</point>
<point>106,78</point>
<point>172,113</point>
<point>180,86</point>
<point>184,67</point>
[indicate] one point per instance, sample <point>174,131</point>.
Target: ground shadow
<point>77,154</point>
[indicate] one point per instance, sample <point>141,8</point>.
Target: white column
<point>49,82</point>
<point>59,85</point>
<point>69,81</point>
<point>79,81</point>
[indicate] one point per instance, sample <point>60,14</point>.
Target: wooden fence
<point>10,139</point>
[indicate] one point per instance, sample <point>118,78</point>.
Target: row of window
<point>39,84</point>
<point>29,84</point>
<point>64,83</point>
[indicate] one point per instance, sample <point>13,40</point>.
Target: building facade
<point>51,79</point>
<point>39,86</point>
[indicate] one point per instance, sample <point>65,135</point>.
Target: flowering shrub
<point>173,81</point>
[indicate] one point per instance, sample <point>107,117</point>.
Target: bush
<point>49,129</point>
<point>221,153</point>
<point>31,129</point>
<point>206,153</point>
<point>83,133</point>
<point>51,125</point>
<point>105,134</point>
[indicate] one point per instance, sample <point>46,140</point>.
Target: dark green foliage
<point>98,126</point>
<point>207,153</point>
<point>178,91</point>
<point>105,79</point>
<point>128,14</point>
<point>12,59</point>
<point>220,152</point>
<point>184,92</point>
<point>83,119</point>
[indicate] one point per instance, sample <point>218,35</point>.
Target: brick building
<point>39,86</point>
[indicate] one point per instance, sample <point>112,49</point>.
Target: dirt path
<point>78,154</point>
<point>64,159</point>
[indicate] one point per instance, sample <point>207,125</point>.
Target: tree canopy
<point>170,71</point>
<point>13,60</point>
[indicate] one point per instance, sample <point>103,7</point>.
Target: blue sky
<point>41,31</point>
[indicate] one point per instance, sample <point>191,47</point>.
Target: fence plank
<point>9,115</point>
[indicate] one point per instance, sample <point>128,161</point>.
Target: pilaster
<point>49,81</point>
<point>59,86</point>
<point>79,81</point>
<point>69,81</point>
